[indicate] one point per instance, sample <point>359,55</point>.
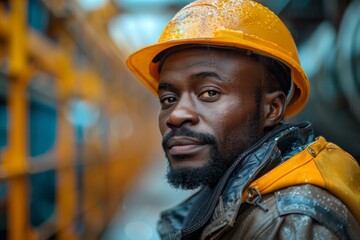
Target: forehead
<point>197,53</point>
<point>231,65</point>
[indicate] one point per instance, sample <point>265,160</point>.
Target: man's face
<point>210,112</point>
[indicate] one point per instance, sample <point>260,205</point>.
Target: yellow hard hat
<point>243,24</point>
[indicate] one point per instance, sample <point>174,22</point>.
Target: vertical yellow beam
<point>18,42</point>
<point>66,192</point>
<point>15,162</point>
<point>15,159</point>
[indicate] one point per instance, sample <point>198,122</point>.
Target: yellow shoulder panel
<point>322,164</point>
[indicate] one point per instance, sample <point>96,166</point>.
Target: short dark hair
<point>272,82</point>
<point>278,75</point>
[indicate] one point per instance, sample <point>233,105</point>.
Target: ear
<point>274,108</point>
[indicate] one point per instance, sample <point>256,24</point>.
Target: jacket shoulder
<point>321,164</point>
<point>296,212</point>
<point>321,206</point>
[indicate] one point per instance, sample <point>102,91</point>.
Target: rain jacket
<point>288,185</point>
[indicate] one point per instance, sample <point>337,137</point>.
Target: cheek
<point>162,123</point>
<point>227,125</point>
<point>232,128</point>
<point>234,140</point>
<point>231,117</point>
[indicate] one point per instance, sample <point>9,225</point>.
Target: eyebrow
<point>168,87</point>
<point>209,74</point>
<point>164,87</point>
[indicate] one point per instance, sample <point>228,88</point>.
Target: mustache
<point>206,138</point>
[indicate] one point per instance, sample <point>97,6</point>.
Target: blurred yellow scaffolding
<point>110,164</point>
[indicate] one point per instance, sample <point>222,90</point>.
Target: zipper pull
<point>254,198</point>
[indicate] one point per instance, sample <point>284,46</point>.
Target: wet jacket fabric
<point>288,185</point>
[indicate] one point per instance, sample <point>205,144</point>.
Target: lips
<point>184,145</point>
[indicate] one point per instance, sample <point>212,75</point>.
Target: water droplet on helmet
<point>181,31</point>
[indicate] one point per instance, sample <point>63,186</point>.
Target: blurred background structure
<point>80,153</point>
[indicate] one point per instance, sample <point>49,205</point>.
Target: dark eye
<point>209,95</point>
<point>167,101</point>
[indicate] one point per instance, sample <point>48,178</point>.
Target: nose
<point>183,113</point>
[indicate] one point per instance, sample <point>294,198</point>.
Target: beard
<point>209,175</point>
<point>192,178</point>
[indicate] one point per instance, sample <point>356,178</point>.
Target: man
<point>227,73</point>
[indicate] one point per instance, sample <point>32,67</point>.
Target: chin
<point>188,163</point>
